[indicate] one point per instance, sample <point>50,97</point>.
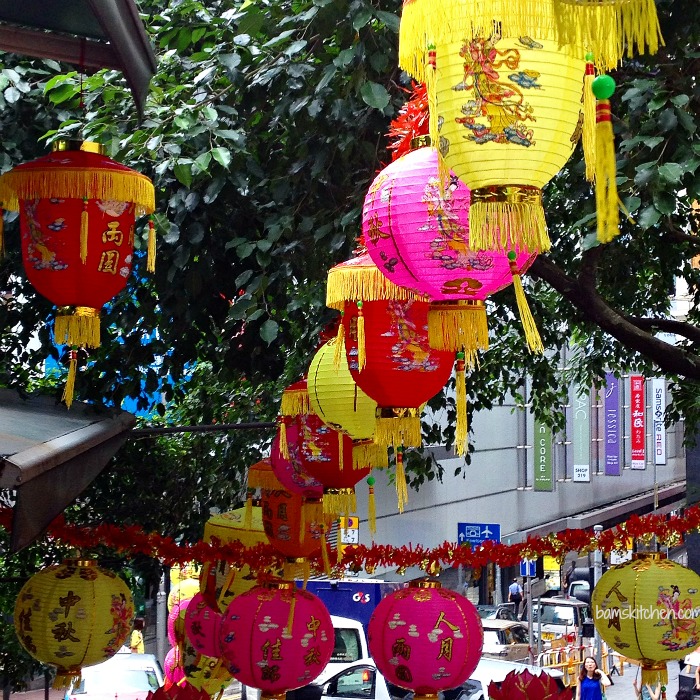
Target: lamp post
<point>597,574</point>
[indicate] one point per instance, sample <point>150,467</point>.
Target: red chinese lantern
<point>425,638</point>
<point>202,624</point>
<point>72,615</point>
<point>295,401</point>
<point>277,638</point>
<point>77,211</point>
<point>289,471</point>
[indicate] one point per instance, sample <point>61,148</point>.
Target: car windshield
<point>125,680</point>
<point>347,645</point>
<point>555,615</point>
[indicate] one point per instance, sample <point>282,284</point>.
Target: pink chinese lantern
<point>172,667</point>
<point>417,233</point>
<point>277,638</point>
<point>176,622</point>
<point>202,626</point>
<point>425,638</point>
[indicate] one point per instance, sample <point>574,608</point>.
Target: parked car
<point>506,640</point>
<point>504,611</point>
<point>686,677</point>
<point>125,676</point>
<point>580,590</point>
<point>559,617</point>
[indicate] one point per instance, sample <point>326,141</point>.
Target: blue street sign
<point>528,567</point>
<point>476,533</point>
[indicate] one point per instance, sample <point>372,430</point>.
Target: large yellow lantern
<point>647,609</point>
<point>72,615</point>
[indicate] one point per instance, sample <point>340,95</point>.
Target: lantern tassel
<point>368,453</point>
<point>284,445</point>
<point>589,131</point>
<point>371,512</point>
<point>294,402</point>
<point>400,481</point>
<point>361,338</point>
<point>324,550</point>
<point>433,121</point>
<point>290,618</point>
<point>341,444</point>
<point>64,678</point>
<point>84,231</point>
<point>339,348</point>
<point>69,388</point>
<point>606,198</point>
<point>263,479</point>
<point>532,334</point>
<point>79,327</point>
<point>402,428</point>
<point>654,674</point>
<point>455,326</point>
<point>151,256</point>
<point>302,524</point>
<point>248,514</point>
<point>339,501</point>
<point>462,428</point>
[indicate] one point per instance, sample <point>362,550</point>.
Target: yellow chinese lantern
<point>72,615</point>
<point>646,609</point>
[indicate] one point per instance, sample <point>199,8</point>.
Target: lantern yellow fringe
<point>64,678</point>
<point>339,501</point>
<point>248,514</point>
<point>324,551</point>
<point>398,430</point>
<point>151,252</point>
<point>462,428</point>
<point>454,327</point>
<point>295,402</point>
<point>508,225</point>
<point>589,132</point>
<point>313,511</point>
<point>532,334</point>
<point>610,29</point>
<point>284,445</point>
<point>361,341</point>
<point>79,328</point>
<point>400,483</point>
<point>69,388</point>
<point>369,454</point>
<point>69,183</point>
<point>371,512</point>
<point>654,675</point>
<point>339,348</point>
<point>84,231</point>
<point>350,283</point>
<point>263,479</point>
<point>606,198</point>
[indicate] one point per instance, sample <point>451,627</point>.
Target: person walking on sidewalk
<point>515,595</point>
<point>591,681</point>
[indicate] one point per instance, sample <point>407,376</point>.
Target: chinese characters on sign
<point>611,407</point>
<point>637,424</point>
<point>581,434</point>
<point>543,457</point>
<point>658,392</point>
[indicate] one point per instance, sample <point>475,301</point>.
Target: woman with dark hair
<point>591,681</point>
<point>136,643</point>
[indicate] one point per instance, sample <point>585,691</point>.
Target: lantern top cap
<point>279,585</point>
<point>425,583</point>
<point>648,556</point>
<point>80,562</point>
<point>78,145</point>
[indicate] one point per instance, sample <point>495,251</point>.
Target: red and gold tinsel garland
<point>131,540</point>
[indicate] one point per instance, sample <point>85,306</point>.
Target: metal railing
<point>569,658</point>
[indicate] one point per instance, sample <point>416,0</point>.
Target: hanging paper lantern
<point>425,638</point>
<point>172,667</point>
<point>220,582</point>
<point>417,234</point>
<point>77,210</point>
<point>183,573</point>
<point>72,615</point>
<point>202,624</point>
<point>295,401</point>
<point>206,673</point>
<point>175,626</point>
<point>646,609</point>
<point>289,471</point>
<point>277,638</point>
<point>401,372</point>
<point>183,591</point>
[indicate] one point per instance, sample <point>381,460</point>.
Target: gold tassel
<point>284,445</point>
<point>339,348</point>
<point>248,514</point>
<point>84,231</point>
<point>341,445</point>
<point>78,326</point>
<point>324,551</point>
<point>433,117</point>
<point>462,428</point>
<point>263,479</point>
<point>367,453</point>
<point>294,402</point>
<point>401,428</point>
<point>361,339</point>
<point>532,335</point>
<point>292,606</point>
<point>459,325</point>
<point>589,130</point>
<point>69,389</point>
<point>371,507</point>
<point>339,501</point>
<point>606,198</point>
<point>400,481</point>
<point>151,256</point>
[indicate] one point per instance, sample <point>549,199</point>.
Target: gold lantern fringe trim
<point>78,326</point>
<point>462,427</point>
<point>367,453</point>
<point>398,426</point>
<point>339,501</point>
<point>588,137</point>
<point>459,325</point>
<point>339,349</point>
<point>609,28</point>
<point>248,513</point>
<point>366,282</point>
<point>295,402</point>
<point>65,677</point>
<point>266,480</point>
<point>506,217</point>
<point>606,198</point>
<point>400,481</point>
<point>654,672</point>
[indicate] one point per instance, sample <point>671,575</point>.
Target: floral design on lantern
<point>72,615</point>
<point>289,471</point>
<point>644,609</point>
<point>425,638</point>
<point>277,638</point>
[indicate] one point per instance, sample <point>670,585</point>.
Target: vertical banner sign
<point>658,392</point>
<point>543,457</point>
<point>611,406</point>
<point>581,437</point>
<point>637,426</point>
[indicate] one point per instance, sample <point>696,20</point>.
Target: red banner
<point>637,427</point>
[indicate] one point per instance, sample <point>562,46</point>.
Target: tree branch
<point>669,358</point>
<point>687,330</point>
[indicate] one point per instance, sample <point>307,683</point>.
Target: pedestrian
<point>515,595</point>
<point>136,643</point>
<point>591,681</point>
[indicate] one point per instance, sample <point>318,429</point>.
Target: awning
<point>89,33</point>
<point>50,454</point>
